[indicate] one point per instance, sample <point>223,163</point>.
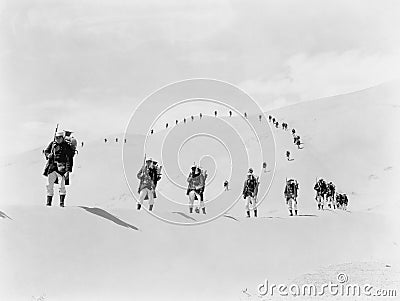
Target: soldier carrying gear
<point>196,186</point>
<point>59,154</point>
<point>226,185</point>
<point>147,175</point>
<point>321,189</point>
<point>330,195</point>
<point>342,201</point>
<point>290,193</point>
<point>250,190</point>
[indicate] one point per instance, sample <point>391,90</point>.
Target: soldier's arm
<point>47,151</point>
<point>139,174</point>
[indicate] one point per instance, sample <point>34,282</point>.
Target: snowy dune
<point>100,247</point>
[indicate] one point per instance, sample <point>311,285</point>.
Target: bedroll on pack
<point>71,140</point>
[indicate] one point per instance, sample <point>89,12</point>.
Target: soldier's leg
<point>254,200</point>
<point>295,206</point>
<point>142,195</point>
<point>191,200</point>
<point>51,178</point>
<point>290,206</point>
<point>62,190</point>
<point>247,205</point>
<point>150,194</point>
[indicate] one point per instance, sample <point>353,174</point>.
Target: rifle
<point>55,132</point>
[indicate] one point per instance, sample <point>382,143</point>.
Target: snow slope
<point>100,247</point>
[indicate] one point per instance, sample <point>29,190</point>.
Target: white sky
<point>87,64</point>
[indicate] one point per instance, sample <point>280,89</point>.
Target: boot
<point>62,199</point>
<point>255,212</point>
<point>295,212</point>
<point>291,212</point>
<point>319,207</point>
<point>139,206</point>
<point>190,210</point>
<point>49,199</point>
<point>150,207</point>
<point>248,213</point>
<point>204,210</point>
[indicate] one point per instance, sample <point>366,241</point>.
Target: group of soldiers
<point>116,140</point>
<point>150,174</point>
<point>326,195</point>
<point>276,123</point>
<point>60,153</point>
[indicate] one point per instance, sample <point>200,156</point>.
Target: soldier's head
<point>59,137</point>
<point>149,162</point>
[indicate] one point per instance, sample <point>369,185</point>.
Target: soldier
<point>226,185</point>
<point>196,185</point>
<point>250,190</point>
<point>290,193</point>
<point>321,189</point>
<point>146,185</point>
<point>264,166</point>
<point>331,195</point>
<point>59,155</point>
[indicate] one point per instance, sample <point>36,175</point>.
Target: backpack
<point>73,143</point>
<point>291,188</point>
<point>251,183</point>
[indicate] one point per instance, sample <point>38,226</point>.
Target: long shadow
<point>104,214</point>
<point>231,217</point>
<point>3,215</point>
<point>312,215</point>
<point>185,215</point>
<point>271,217</point>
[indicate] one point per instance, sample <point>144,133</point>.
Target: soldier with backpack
<point>342,201</point>
<point>250,190</point>
<point>59,154</point>
<point>226,185</point>
<point>196,185</point>
<point>331,195</point>
<point>147,175</point>
<point>321,190</point>
<point>290,193</point>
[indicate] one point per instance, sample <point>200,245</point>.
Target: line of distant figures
<point>116,140</point>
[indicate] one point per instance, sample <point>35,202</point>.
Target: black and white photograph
<point>199,150</point>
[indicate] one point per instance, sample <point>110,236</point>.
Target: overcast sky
<point>86,64</point>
